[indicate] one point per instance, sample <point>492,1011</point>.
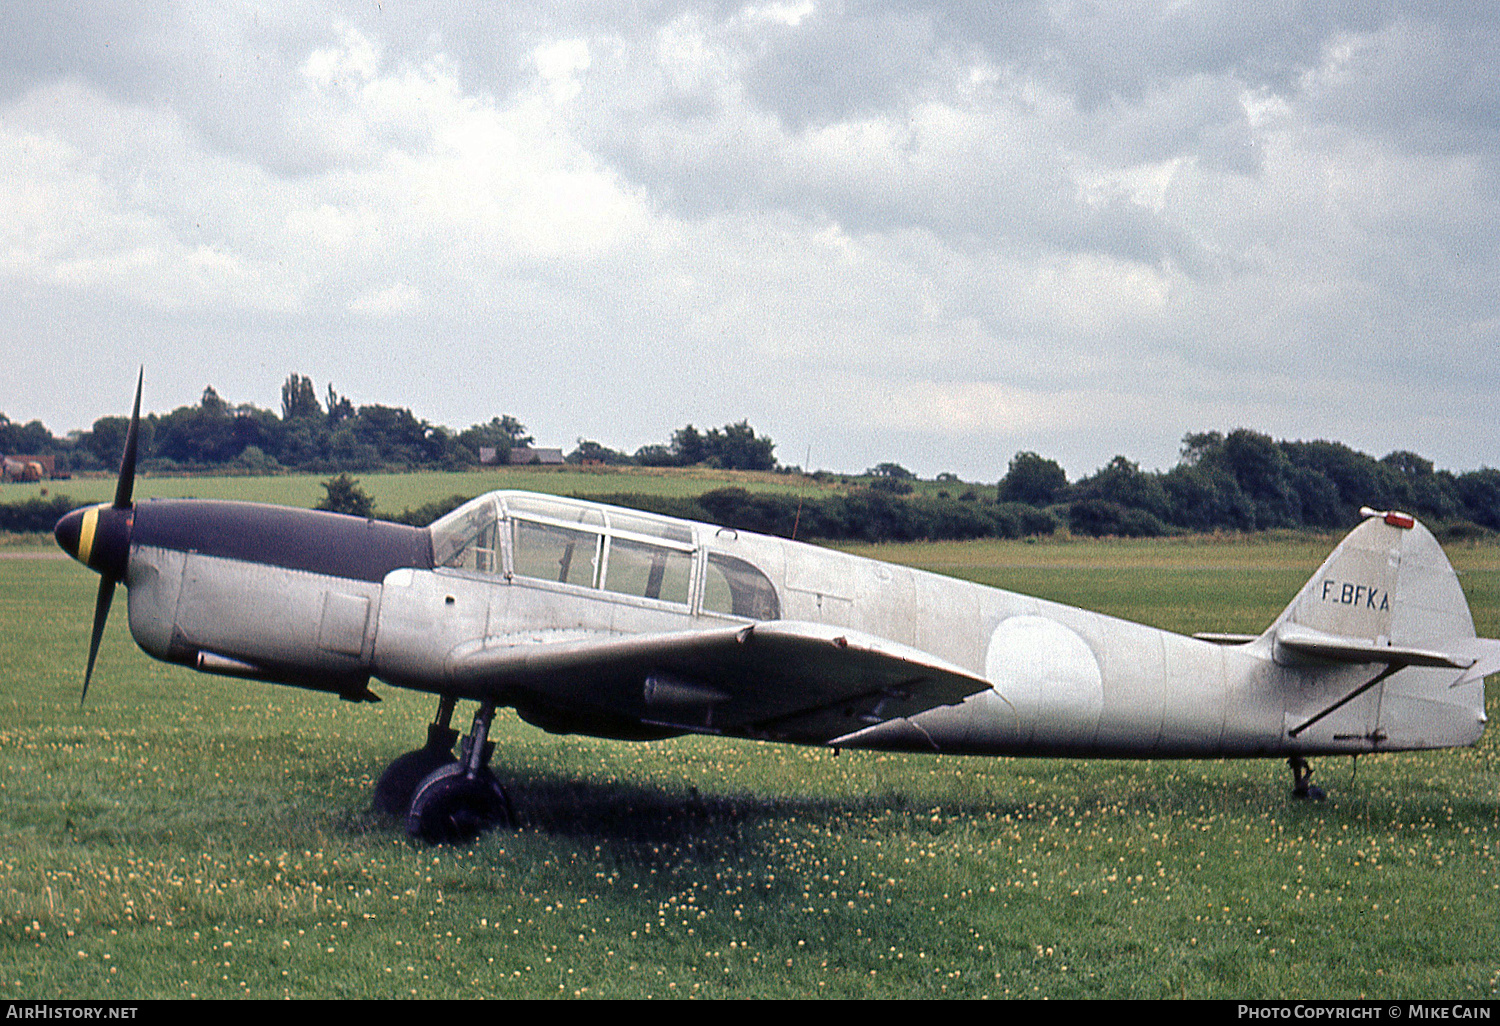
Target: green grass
<point>190,835</point>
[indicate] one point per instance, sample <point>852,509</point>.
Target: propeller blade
<point>126,483</point>
<point>71,529</point>
<point>101,614</point>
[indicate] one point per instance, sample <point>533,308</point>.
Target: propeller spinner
<point>99,536</point>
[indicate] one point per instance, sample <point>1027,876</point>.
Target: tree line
<point>329,434</point>
<point>1239,481</point>
<point>1245,481</point>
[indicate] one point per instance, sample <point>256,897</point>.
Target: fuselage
<point>326,601</point>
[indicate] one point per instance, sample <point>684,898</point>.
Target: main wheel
<point>398,784</point>
<point>450,806</point>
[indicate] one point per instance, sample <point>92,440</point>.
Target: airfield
<point>186,835</point>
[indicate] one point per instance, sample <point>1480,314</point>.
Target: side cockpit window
<point>650,571</point>
<point>555,540</point>
<point>588,547</point>
<point>735,587</point>
<point>552,553</point>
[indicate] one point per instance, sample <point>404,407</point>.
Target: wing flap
<point>788,679</point>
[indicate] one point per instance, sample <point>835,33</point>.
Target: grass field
<point>188,835</point>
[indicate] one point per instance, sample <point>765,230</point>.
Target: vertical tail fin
<point>1388,583</point>
<point>1385,644</point>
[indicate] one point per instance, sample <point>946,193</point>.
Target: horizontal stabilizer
<point>1342,649</point>
<point>1486,655</point>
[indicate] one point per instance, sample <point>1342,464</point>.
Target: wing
<point>784,679</point>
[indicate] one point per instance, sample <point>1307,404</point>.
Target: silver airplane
<point>610,622</point>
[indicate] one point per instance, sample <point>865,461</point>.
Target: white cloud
<point>780,13</point>
<point>349,66</point>
<point>395,299</point>
<point>560,64</point>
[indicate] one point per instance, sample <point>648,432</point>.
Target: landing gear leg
<point>399,782</point>
<point>1302,785</point>
<point>457,801</point>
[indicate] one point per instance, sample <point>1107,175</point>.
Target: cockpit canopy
<point>583,545</point>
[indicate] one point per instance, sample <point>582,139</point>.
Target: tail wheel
<point>1302,785</point>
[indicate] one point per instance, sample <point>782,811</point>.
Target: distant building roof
<point>523,455</point>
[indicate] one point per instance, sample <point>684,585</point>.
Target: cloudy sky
<point>931,233</point>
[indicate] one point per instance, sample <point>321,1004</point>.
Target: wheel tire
<point>451,807</point>
<point>398,784</point>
